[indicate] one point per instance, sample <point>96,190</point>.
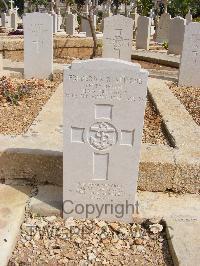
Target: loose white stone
<point>156,228</point>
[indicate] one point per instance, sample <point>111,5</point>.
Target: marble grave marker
<point>104,103</point>
<point>117,37</point>
<point>189,74</point>
<point>38,45</point>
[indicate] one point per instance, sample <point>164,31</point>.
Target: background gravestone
<point>176,35</point>
<point>1,62</point>
<point>13,19</point>
<point>189,74</point>
<point>117,37</point>
<point>85,26</point>
<point>163,28</point>
<point>38,45</point>
<point>104,102</point>
<point>188,18</point>
<point>5,20</point>
<point>70,24</point>
<point>143,33</point>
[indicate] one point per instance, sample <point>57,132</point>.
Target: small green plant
<point>165,45</point>
<point>13,93</point>
<point>196,19</point>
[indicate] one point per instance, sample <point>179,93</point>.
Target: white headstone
<point>59,20</point>
<point>117,37</point>
<point>176,35</point>
<point>68,11</point>
<point>13,17</point>
<point>85,26</point>
<point>70,24</point>
<point>163,28</point>
<point>5,20</point>
<point>55,22</point>
<point>189,74</point>
<point>38,45</point>
<point>188,18</point>
<point>143,33</point>
<point>104,102</point>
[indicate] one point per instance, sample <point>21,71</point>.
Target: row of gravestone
<point>104,102</point>
<point>10,20</point>
<point>172,32</point>
<point>117,43</point>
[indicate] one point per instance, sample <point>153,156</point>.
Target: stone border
<point>13,48</point>
<point>156,58</point>
<point>37,155</point>
<point>64,47</point>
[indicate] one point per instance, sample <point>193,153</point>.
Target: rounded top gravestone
<point>104,102</point>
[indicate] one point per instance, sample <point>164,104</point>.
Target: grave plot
<point>190,98</point>
<point>53,241</point>
<point>20,102</point>
<point>98,155</point>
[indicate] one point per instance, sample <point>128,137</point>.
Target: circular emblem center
<point>102,135</point>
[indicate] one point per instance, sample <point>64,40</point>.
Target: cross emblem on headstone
<point>118,41</point>
<point>101,136</point>
<point>196,56</point>
<point>196,47</point>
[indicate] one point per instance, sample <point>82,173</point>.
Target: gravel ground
<point>16,119</point>
<point>53,241</point>
<point>190,98</point>
<point>152,131</point>
<point>148,65</point>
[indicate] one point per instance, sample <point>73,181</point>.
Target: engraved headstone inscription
<point>189,74</point>
<point>104,102</point>
<point>38,45</point>
<point>117,37</point>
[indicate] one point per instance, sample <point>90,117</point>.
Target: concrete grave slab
<point>149,205</point>
<point>12,208</point>
<point>184,239</point>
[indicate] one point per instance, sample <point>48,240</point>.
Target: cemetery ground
<point>31,131</point>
